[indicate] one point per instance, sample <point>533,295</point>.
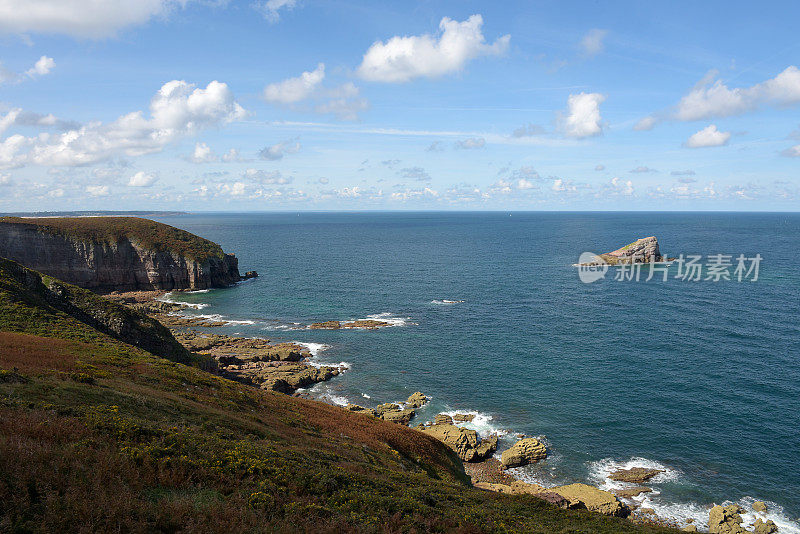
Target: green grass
<point>150,235</point>
<point>98,435</point>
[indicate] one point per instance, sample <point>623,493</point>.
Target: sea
<point>695,371</point>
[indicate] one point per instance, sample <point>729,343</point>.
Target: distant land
<point>92,213</point>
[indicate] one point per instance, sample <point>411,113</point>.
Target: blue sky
<point>294,105</point>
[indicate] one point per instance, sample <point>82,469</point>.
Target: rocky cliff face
<point>640,251</point>
<point>114,265</point>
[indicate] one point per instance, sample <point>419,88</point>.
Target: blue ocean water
<point>699,378</point>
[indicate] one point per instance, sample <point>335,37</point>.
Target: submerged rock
<point>523,452</point>
<point>634,475</point>
<point>592,498</point>
<point>632,492</point>
<point>725,520</point>
<point>367,324</point>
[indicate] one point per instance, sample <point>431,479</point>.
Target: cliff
<point>642,250</point>
<point>117,253</point>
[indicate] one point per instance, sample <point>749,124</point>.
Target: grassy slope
<point>149,234</point>
<point>98,435</point>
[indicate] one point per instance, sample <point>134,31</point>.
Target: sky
<point>213,105</point>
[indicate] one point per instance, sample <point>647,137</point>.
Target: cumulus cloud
<point>271,9</point>
<point>592,43</point>
<point>142,179</point>
<point>707,137</point>
<point>436,146</point>
<point>528,131</point>
<point>618,186</point>
<point>344,101</point>
<point>645,123</point>
<point>401,59</point>
<point>203,154</point>
<point>582,118</point>
<point>687,172</point>
<point>471,142</point>
<point>97,190</point>
<point>42,67</point>
<point>79,18</point>
<point>523,184</point>
<point>278,150</point>
<point>231,156</point>
<point>600,167</point>
<point>296,89</point>
<point>5,179</point>
<point>177,110</point>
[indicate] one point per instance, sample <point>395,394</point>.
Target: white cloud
<point>278,150</point>
<point>296,89</point>
<point>471,142</point>
<point>617,185</point>
<point>271,8</point>
<point>522,183</point>
<point>344,101</point>
<point>141,179</point>
<point>79,18</point>
<point>42,67</point>
<point>177,110</point>
<point>5,179</point>
<point>231,155</point>
<point>708,136</point>
<point>642,169</point>
<point>401,59</point>
<point>713,100</point>
<point>583,115</point>
<point>592,42</point>
<point>203,154</point>
<point>793,152</point>
<point>97,190</point>
<point>645,123</point>
<point>600,167</point>
<point>528,130</point>
<point>8,120</point>
<point>56,193</point>
<point>415,173</point>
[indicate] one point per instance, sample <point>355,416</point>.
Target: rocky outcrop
<point>634,475</point>
<point>760,527</point>
<point>416,400</point>
<point>632,492</point>
<point>593,499</point>
<point>523,452</point>
<point>759,506</point>
<point>725,520</point>
<point>120,259</point>
<point>466,442</point>
<point>642,250</point>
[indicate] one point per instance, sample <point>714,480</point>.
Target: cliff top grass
<point>150,235</point>
<point>98,435</point>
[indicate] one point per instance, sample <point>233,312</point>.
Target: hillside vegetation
<point>99,435</point>
<point>150,235</point>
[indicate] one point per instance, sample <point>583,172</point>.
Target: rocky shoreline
<point>286,368</point>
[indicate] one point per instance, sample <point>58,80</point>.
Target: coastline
<point>486,474</point>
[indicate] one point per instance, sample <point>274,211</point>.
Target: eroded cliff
<point>117,253</point>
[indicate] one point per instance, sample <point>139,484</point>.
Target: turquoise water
<point>700,378</point>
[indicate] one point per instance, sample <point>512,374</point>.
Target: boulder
<point>487,447</point>
<point>760,506</point>
<point>523,452</point>
<point>442,419</point>
<point>398,416</point>
<point>250,274</point>
<point>463,417</point>
<point>635,475</point>
<point>760,527</point>
<point>416,400</point>
<point>593,499</point>
<point>725,520</point>
<point>463,441</point>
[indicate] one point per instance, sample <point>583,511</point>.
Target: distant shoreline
<point>45,214</point>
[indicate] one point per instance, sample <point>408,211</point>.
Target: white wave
<point>481,423</point>
<point>365,396</point>
<point>322,392</point>
<point>222,319</point>
<point>601,469</point>
<point>774,512</point>
<point>313,348</point>
<point>393,320</point>
<point>168,298</point>
<point>445,302</point>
